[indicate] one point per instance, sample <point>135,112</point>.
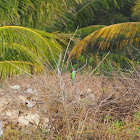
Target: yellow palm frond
<point>31,39</point>
<point>27,49</point>
<point>11,68</point>
<point>18,52</point>
<point>117,35</point>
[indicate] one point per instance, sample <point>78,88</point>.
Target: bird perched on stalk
<point>73,75</point>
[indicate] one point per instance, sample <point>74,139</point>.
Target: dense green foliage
<point>29,42</point>
<point>95,12</point>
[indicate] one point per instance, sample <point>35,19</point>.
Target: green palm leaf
<point>117,35</point>
<point>136,10</point>
<point>25,12</point>
<point>84,12</point>
<point>11,68</point>
<point>31,39</point>
<point>27,49</point>
<point>88,30</point>
<point>18,52</point>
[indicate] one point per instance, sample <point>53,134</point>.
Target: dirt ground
<point>31,101</point>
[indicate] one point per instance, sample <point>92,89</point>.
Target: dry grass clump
<point>93,108</point>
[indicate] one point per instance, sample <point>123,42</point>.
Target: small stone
<point>29,118</point>
<point>29,90</point>
<point>25,101</point>
<point>16,87</point>
<point>22,121</point>
<point>1,131</point>
<point>29,104</point>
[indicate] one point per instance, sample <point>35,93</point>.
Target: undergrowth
<point>94,108</point>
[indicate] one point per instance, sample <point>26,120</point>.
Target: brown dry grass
<point>94,108</point>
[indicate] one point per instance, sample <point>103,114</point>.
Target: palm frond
<point>84,12</point>
<point>117,35</point>
<point>31,39</point>
<point>25,12</point>
<point>10,68</point>
<point>55,36</point>
<point>18,52</point>
<point>136,10</point>
<point>88,30</point>
<point>30,50</point>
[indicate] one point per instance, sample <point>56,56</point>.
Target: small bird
<point>73,75</point>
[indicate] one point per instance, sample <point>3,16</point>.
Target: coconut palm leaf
<point>136,10</point>
<point>83,13</point>
<point>31,39</point>
<point>11,68</point>
<point>44,13</point>
<point>34,49</point>
<point>18,52</point>
<point>25,12</point>
<point>88,30</point>
<point>117,35</point>
<point>10,10</point>
<point>55,36</point>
